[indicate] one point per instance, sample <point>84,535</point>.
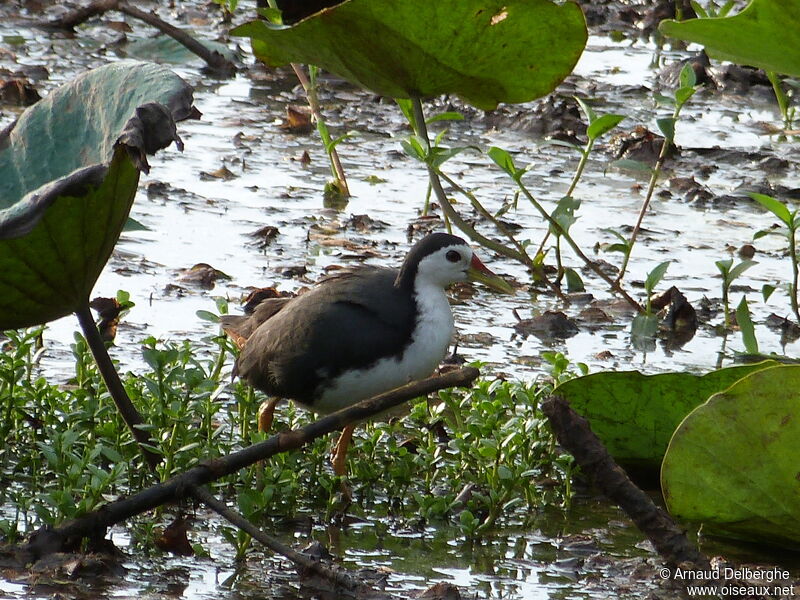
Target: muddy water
<point>193,218</point>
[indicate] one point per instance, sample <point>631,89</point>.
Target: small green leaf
<point>746,327</point>
<point>503,160</point>
<point>602,125</point>
<point>724,266</point>
<point>667,127</point>
<point>205,315</point>
<point>644,326</point>
<point>564,214</point>
<point>688,78</point>
<point>574,281</point>
<point>740,268</point>
<point>683,94</point>
<point>663,100</point>
<point>587,110</point>
<point>407,108</point>
<point>655,276</point>
<point>133,225</point>
<point>766,291</point>
<point>776,207</point>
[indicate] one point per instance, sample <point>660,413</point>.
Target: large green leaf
<point>765,34</point>
<point>635,415</point>
<point>486,51</point>
<point>733,462</point>
<point>68,174</point>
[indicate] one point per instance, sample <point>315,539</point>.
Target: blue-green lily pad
<point>69,169</point>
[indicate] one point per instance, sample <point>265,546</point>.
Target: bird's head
<point>441,259</point>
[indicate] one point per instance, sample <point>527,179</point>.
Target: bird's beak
<point>479,272</point>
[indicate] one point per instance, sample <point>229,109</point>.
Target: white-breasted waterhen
<point>358,333</point>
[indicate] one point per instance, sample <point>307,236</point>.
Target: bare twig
<point>305,562</point>
<point>215,61</point>
<point>575,435</point>
<point>73,18</point>
<point>111,378</point>
<point>47,540</point>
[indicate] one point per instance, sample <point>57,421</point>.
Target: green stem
<point>780,96</point>
<point>615,285</point>
<point>793,252</point>
<point>573,184</point>
<point>488,216</point>
<point>422,131</point>
<point>117,391</point>
<point>311,95</point>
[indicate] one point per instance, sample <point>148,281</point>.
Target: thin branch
<point>305,562</point>
<point>94,524</point>
<point>111,378</point>
<point>67,22</point>
<point>215,61</point>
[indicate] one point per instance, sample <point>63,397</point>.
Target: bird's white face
<point>445,266</point>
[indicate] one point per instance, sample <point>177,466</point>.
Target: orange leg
<point>339,459</point>
<point>266,414</point>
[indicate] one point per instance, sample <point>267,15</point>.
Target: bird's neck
<point>433,306</point>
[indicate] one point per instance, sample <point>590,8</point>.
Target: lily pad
<point>765,34</point>
<point>635,415</point>
<point>733,462</point>
<point>486,51</point>
<point>69,169</point>
<point>165,49</point>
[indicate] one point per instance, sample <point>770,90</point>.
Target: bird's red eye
<point>453,256</point>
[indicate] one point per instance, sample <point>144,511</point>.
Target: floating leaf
<point>732,463</point>
<point>635,415</point>
<point>486,51</point>
<point>166,49</point>
<point>68,174</point>
<point>761,35</point>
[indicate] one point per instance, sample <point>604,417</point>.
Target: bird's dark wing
<point>349,322</point>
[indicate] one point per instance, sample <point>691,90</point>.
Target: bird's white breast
<point>431,337</point>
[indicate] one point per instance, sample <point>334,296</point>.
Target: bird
<point>358,333</point>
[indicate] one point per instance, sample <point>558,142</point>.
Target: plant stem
<point>109,373</point>
<point>573,184</point>
<point>421,130</point>
<point>488,216</point>
<point>615,285</point>
<point>780,96</point>
<point>330,149</point>
<point>651,186</point>
<point>793,253</point>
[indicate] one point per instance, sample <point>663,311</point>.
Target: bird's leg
<point>266,414</point>
<point>339,458</point>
